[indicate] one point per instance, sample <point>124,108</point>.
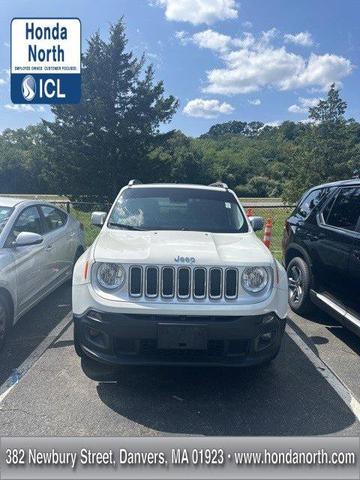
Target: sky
<point>264,60</point>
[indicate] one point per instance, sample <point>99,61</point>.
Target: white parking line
<point>55,333</point>
<point>330,376</point>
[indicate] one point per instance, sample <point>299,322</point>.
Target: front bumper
<point>116,339</point>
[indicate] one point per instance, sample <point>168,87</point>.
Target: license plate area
<point>182,337</point>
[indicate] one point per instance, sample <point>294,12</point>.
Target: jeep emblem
<point>184,259</point>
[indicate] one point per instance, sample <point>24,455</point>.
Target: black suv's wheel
<point>299,277</point>
<point>4,321</point>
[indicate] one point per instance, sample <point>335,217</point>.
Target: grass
<point>278,216</point>
<point>91,232</point>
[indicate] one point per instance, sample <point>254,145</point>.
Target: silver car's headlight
<point>110,275</point>
<point>255,279</point>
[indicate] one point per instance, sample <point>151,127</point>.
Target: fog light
<point>93,333</point>
<point>97,337</point>
<point>264,340</point>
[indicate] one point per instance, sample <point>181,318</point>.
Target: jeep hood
<point>163,247</point>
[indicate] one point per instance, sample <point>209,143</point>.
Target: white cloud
<point>198,11</point>
<point>255,63</point>
<point>5,81</point>
<point>255,101</point>
<point>248,70</point>
<point>303,105</point>
<point>24,107</point>
<point>301,38</point>
<point>212,40</point>
<point>219,42</point>
<point>275,123</point>
<point>247,24</point>
<point>202,108</point>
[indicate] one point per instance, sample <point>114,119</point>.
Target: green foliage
<point>22,160</point>
<point>234,128</point>
<point>94,148</point>
<point>331,109</point>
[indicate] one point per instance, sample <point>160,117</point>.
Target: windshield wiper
<point>123,225</point>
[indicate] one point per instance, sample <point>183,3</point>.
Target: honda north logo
<point>28,88</point>
<point>45,60</point>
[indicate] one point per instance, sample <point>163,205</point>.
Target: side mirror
<point>98,218</point>
<point>257,223</point>
<point>25,239</point>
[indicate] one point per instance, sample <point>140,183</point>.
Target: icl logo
<point>45,60</point>
<point>47,88</point>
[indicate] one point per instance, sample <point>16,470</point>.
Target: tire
<point>5,321</point>
<point>300,280</point>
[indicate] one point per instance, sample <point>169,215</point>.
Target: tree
<point>331,109</point>
<point>177,160</point>
<point>326,151</point>
<point>22,160</point>
<point>95,147</point>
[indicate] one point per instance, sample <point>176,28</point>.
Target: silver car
<point>39,245</point>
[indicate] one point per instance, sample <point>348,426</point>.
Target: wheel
<point>4,321</point>
<point>299,278</point>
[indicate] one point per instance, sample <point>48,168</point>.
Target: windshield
<point>178,209</point>
<point>5,213</point>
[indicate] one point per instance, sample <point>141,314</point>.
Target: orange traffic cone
<point>249,212</point>
<point>268,232</point>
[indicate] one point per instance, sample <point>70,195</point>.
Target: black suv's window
<point>310,201</point>
<point>345,211</point>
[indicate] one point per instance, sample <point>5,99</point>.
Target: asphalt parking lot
<point>312,388</point>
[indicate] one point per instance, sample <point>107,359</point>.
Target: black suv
<point>321,247</point>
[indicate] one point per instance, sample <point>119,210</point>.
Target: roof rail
<point>219,185</point>
<point>134,182</point>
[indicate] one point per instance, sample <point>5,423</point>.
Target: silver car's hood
<point>164,247</point>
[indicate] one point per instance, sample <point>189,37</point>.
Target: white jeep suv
<point>177,276</point>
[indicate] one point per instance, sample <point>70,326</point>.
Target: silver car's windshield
<point>5,213</point>
<point>166,208</point>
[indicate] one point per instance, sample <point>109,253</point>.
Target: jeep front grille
<point>184,283</point>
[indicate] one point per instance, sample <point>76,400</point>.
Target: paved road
<point>297,395</point>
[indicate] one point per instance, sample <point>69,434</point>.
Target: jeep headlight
<point>110,275</point>
<point>255,279</point>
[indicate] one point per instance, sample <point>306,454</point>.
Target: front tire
<point>5,321</point>
<point>299,278</point>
